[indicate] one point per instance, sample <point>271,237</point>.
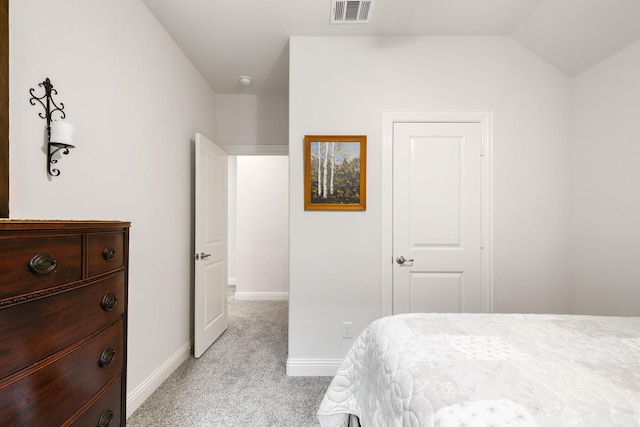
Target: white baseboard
<point>153,381</point>
<point>262,296</point>
<point>312,367</point>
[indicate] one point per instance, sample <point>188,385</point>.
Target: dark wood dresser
<point>63,323</point>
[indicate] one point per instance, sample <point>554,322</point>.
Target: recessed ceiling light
<point>245,80</point>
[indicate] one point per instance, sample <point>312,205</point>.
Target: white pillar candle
<point>61,132</point>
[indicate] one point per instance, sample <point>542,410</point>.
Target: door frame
<point>485,119</point>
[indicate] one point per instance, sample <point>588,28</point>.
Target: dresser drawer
<point>32,263</point>
<point>105,410</point>
<point>64,382</point>
<point>31,331</point>
<point>105,252</point>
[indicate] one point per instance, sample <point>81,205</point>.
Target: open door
<point>210,305</point>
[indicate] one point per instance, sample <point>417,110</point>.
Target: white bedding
<point>448,370</point>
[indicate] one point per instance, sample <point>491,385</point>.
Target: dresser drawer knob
<point>105,418</point>
<point>106,357</point>
<point>42,264</point>
<point>109,301</point>
<point>108,253</point>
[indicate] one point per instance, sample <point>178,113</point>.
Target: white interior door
<point>210,305</point>
<point>437,217</point>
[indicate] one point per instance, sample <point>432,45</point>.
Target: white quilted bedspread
<point>496,370</point>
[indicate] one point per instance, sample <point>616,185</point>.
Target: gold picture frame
<point>335,172</point>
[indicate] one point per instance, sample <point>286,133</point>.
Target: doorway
<point>404,287</point>
<point>259,227</point>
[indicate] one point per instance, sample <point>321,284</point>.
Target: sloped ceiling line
<point>225,40</point>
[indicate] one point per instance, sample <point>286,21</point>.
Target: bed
<point>448,370</point>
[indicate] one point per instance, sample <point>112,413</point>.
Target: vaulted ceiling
<point>227,39</point>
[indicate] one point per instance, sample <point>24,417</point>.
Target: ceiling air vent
<point>351,11</point>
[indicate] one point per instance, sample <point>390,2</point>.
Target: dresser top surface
<point>51,224</point>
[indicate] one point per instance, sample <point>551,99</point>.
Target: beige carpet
<point>239,381</point>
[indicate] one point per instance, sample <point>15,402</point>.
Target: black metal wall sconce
<point>59,134</point>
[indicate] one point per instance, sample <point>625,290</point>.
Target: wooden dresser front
<point>63,323</point>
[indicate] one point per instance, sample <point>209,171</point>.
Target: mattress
<point>489,370</point>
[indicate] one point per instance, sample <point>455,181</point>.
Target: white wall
<point>341,85</point>
<point>262,227</point>
<point>136,103</point>
<point>605,179</point>
<point>231,220</point>
<point>252,120</point>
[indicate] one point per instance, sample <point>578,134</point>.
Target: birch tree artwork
<point>336,172</point>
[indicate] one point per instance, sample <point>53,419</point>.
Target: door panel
<point>435,191</point>
<point>210,305</point>
<point>436,292</point>
<point>436,217</point>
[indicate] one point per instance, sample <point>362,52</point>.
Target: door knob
<point>201,255</point>
<point>401,260</point>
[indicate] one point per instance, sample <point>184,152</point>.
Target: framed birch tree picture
<point>335,172</point>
